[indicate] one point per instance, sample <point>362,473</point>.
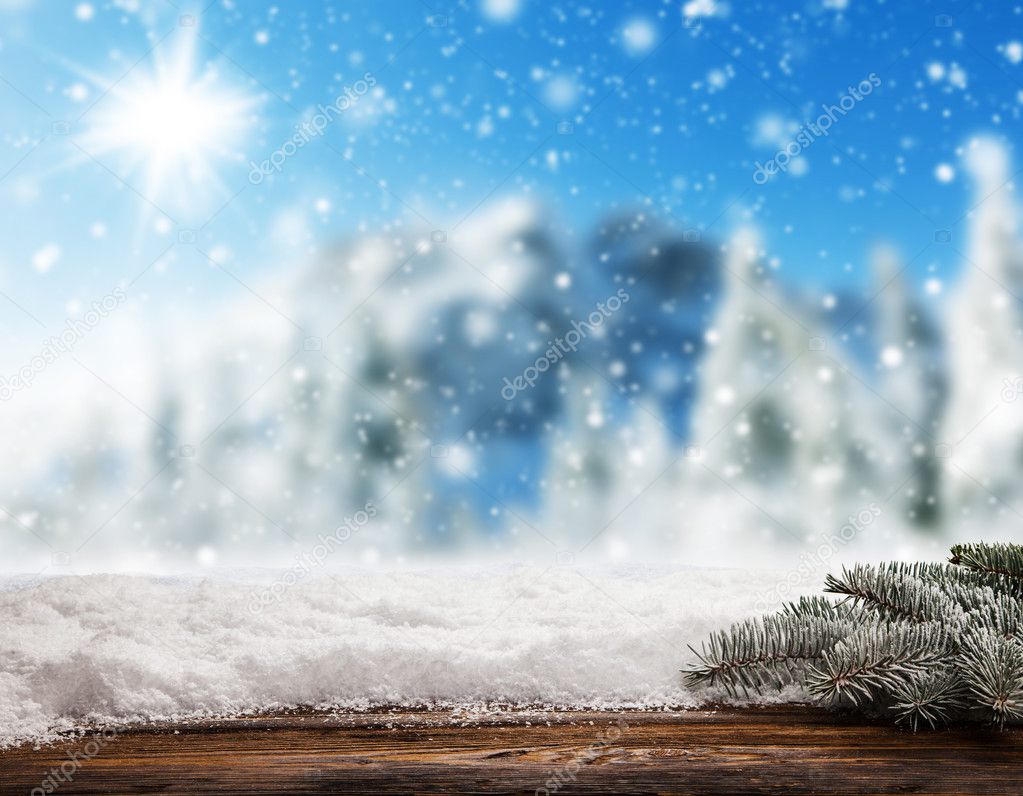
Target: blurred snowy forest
<point>711,409</point>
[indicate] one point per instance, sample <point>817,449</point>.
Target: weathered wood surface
<point>771,750</point>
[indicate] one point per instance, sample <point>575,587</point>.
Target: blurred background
<point>693,282</point>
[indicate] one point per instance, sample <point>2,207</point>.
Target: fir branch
<point>992,669</point>
<point>934,697</point>
<point>926,643</point>
<point>896,596</point>
<point>1002,614</point>
<point>876,660</point>
<point>768,651</point>
<point>997,559</point>
<point>946,576</point>
<point>821,608</point>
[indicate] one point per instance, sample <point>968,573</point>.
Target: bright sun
<point>168,121</point>
<point>171,125</point>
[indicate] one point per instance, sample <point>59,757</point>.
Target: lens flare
<point>175,124</point>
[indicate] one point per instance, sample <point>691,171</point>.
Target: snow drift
<point>111,650</point>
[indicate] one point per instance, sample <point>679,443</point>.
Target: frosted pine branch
<point>894,595</point>
<point>992,669</point>
<point>932,697</point>
<point>925,643</point>
<point>997,559</point>
<point>768,651</point>
<point>875,660</point>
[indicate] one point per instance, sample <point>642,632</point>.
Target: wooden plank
<point>769,750</point>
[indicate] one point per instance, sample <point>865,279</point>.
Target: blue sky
<point>130,126</point>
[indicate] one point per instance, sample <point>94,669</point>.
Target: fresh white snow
<point>114,649</point>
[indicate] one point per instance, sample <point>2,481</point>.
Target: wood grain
<point>773,750</point>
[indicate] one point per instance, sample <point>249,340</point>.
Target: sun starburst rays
<point>170,128</point>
